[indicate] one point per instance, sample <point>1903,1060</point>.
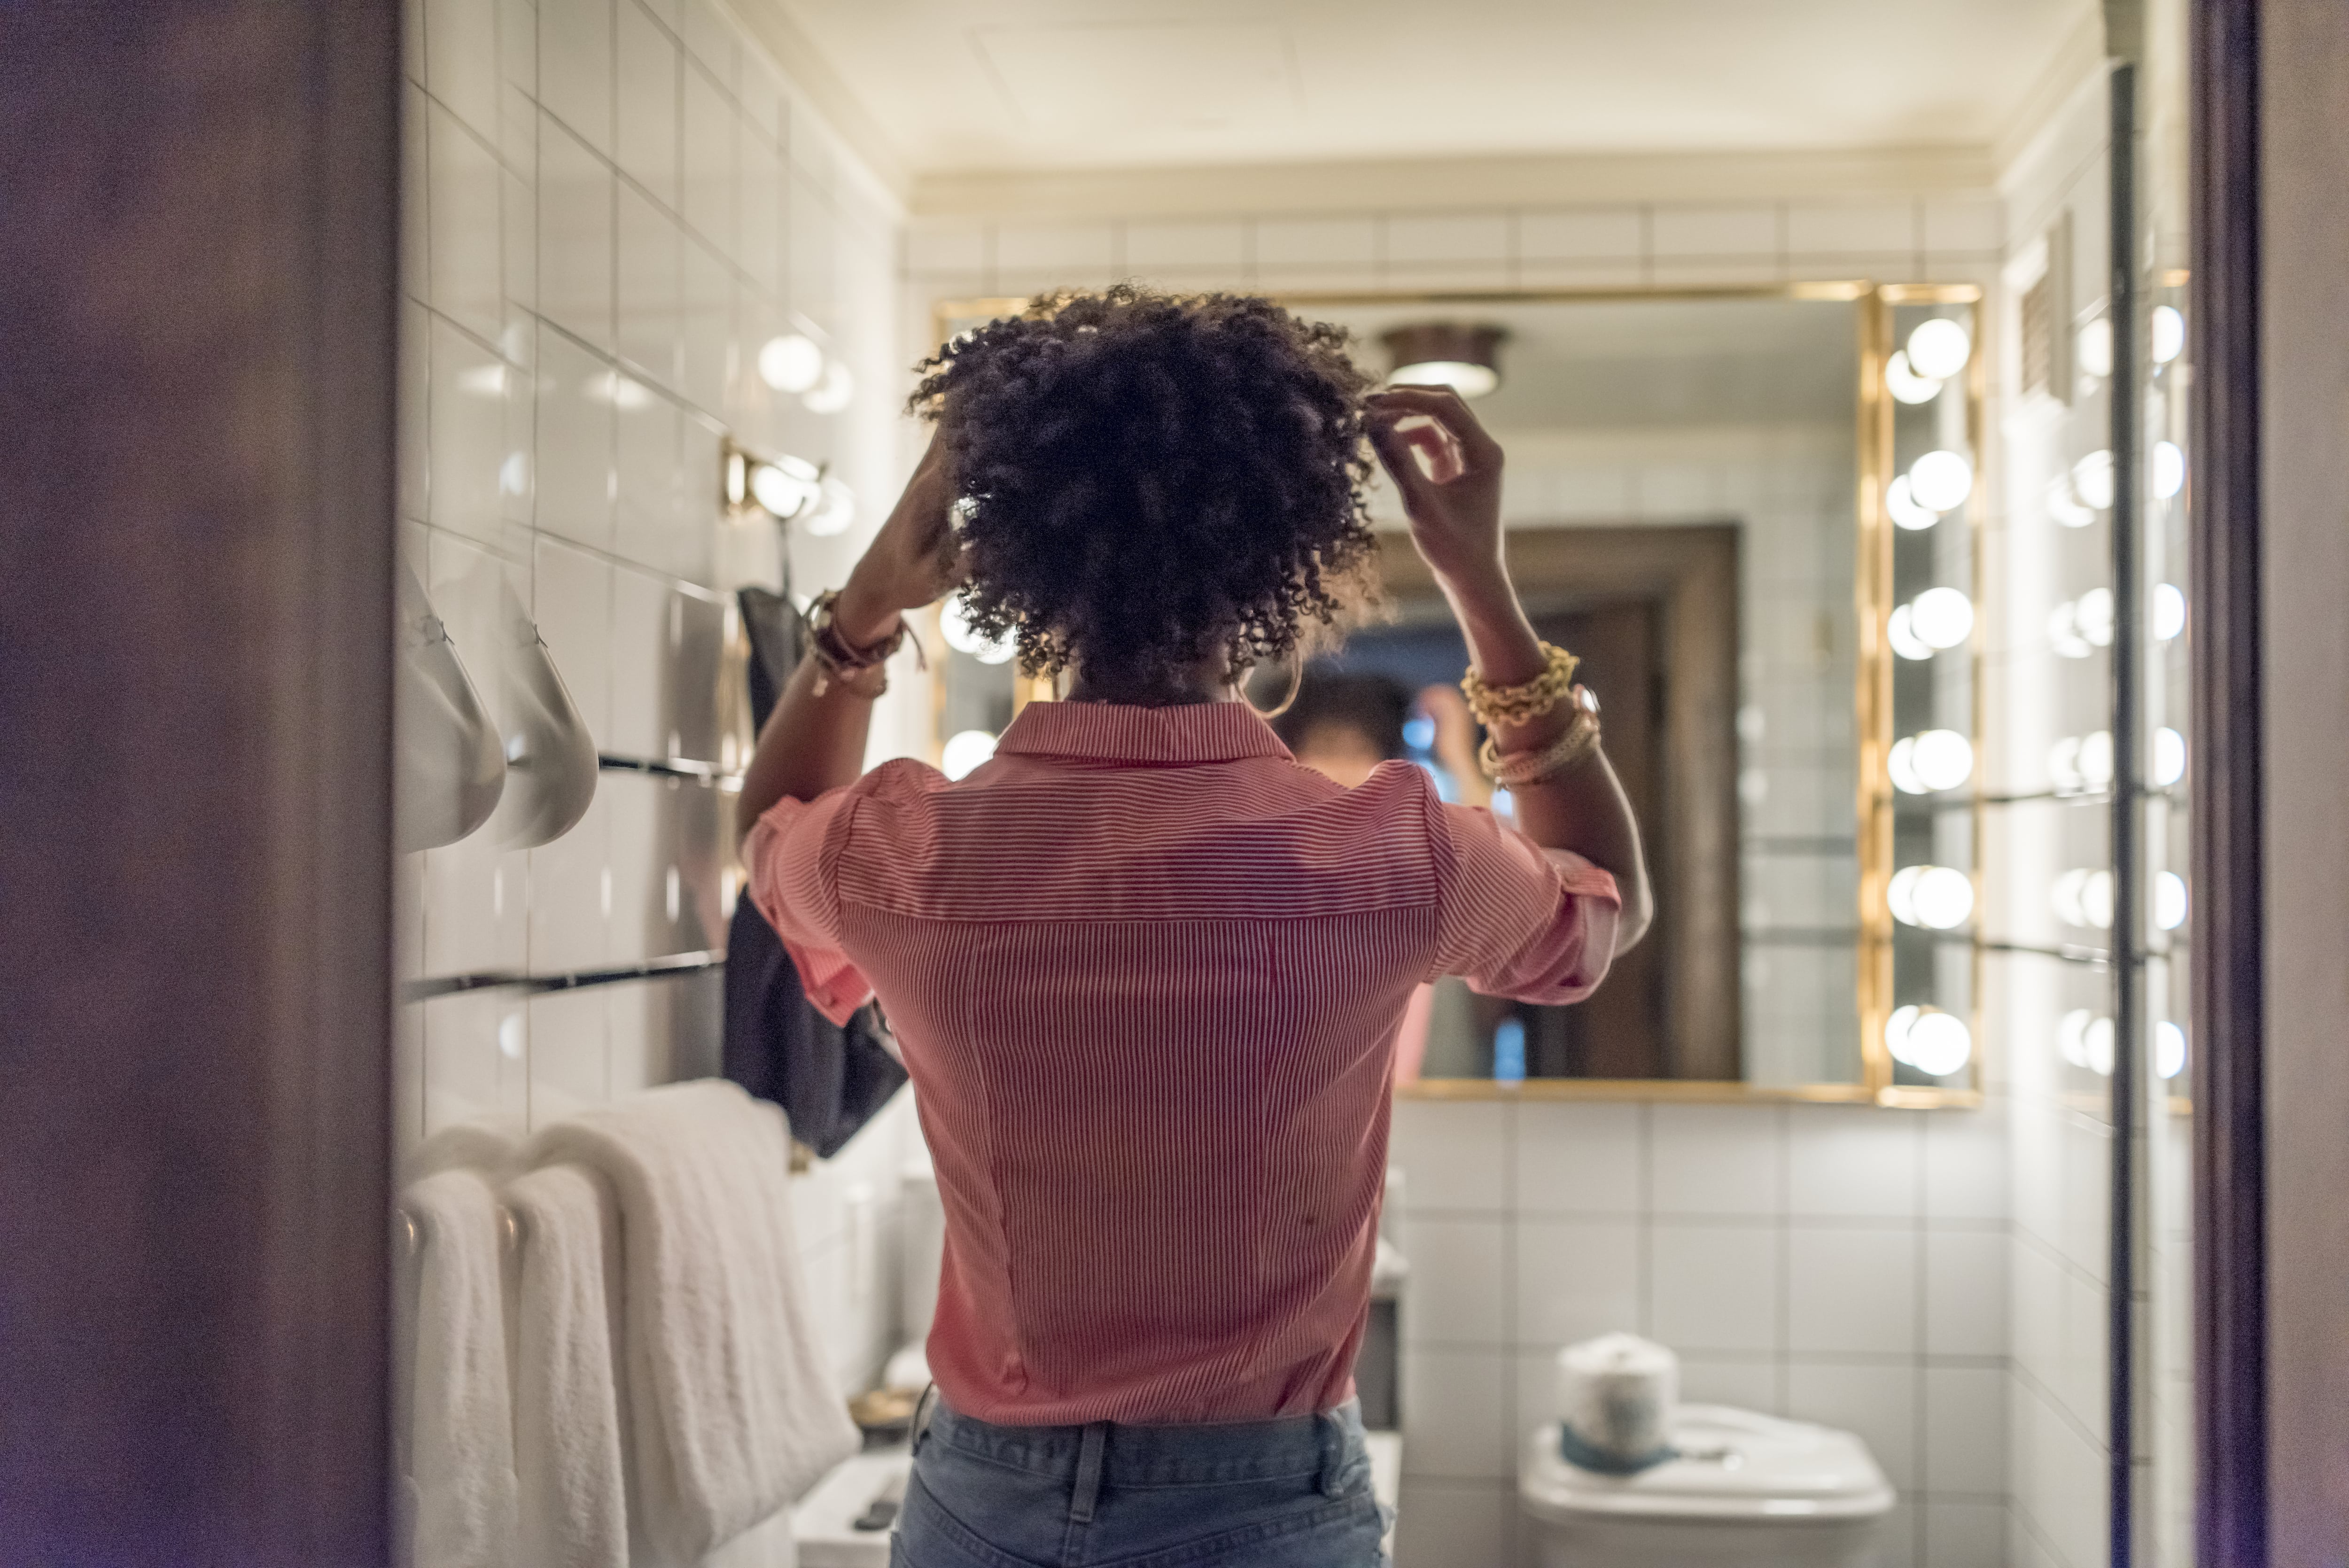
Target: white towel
<point>733,1409</point>
<point>571,1491</point>
<point>460,1447</point>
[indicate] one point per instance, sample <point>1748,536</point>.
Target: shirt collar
<point>1116,732</point>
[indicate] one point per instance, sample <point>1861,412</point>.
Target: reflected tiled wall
<point>609,205</point>
<point>1835,1264</point>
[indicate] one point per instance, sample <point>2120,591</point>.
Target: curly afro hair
<point>1149,483</point>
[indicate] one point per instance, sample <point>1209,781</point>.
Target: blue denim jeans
<point>1250,1494</point>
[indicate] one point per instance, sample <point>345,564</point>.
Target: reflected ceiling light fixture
<point>2168,756</point>
<point>2169,469</point>
<point>2093,347</point>
<point>2169,335</point>
<point>1938,898</point>
<point>1935,1043</point>
<point>1941,479</point>
<point>1901,506</point>
<point>1446,354</point>
<point>965,752</point>
<point>1938,348</point>
<point>954,626</point>
<point>832,393</point>
<point>790,363</point>
<point>1900,380</point>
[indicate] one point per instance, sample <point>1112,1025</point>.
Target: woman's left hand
<point>915,560</point>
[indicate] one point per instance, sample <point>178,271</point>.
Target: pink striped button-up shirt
<point>1148,972</point>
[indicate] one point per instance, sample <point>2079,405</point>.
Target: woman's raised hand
<point>912,560</point>
<point>1449,471</point>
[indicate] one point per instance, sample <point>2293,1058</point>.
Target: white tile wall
<point>1723,1230</point>
<point>601,225</point>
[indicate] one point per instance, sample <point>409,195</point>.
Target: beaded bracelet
<point>1527,701</point>
<point>842,662</point>
<point>1514,769</point>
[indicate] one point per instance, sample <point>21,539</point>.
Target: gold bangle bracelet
<point>1527,701</point>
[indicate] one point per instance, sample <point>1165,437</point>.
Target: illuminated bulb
<point>1900,505</point>
<point>1905,384</point>
<point>2064,632</point>
<point>2169,901</point>
<point>2092,479</point>
<point>2071,897</point>
<point>2095,348</point>
<point>965,752</point>
<point>954,624</point>
<point>1943,758</point>
<point>2169,1041</point>
<point>1940,479</point>
<point>832,393</point>
<point>1938,348</point>
<point>1941,617</point>
<point>1938,898</point>
<point>2096,900</point>
<point>1902,635</point>
<point>2168,337</point>
<point>2168,611</point>
<point>2169,469</point>
<point>1900,763</point>
<point>2064,505</point>
<point>1470,380</point>
<point>835,509</point>
<point>2064,764</point>
<point>2168,756</point>
<point>510,1037</point>
<point>2097,759</point>
<point>790,363</point>
<point>2071,1036</point>
<point>2093,615</point>
<point>1897,1028</point>
<point>786,486</point>
<point>2097,1046</point>
<point>1940,1044</point>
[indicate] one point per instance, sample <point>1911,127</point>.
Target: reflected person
<point>1146,970</point>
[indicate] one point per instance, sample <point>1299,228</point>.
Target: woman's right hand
<point>912,560</point>
<point>1453,502</point>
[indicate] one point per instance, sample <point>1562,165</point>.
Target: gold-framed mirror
<point>1713,492</point>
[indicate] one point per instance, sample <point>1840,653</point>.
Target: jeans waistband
<point>1143,1456</point>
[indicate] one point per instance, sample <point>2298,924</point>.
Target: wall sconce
<point>784,487</point>
<point>1447,354</point>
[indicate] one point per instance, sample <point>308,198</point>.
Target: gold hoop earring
<point>1295,681</point>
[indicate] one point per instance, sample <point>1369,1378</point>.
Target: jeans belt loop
<point>923,1409</point>
<point>1331,1430</point>
<point>1087,1491</point>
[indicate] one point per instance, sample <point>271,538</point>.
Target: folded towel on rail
<point>461,1462</point>
<point>732,1406</point>
<point>567,1431</point>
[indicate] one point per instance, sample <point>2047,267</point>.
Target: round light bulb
<point>2093,615</point>
<point>2092,479</point>
<point>2071,1036</point>
<point>2096,1045</point>
<point>2094,346</point>
<point>2168,756</point>
<point>1938,348</point>
<point>1943,758</point>
<point>2169,469</point>
<point>954,624</point>
<point>1464,377</point>
<point>2064,632</point>
<point>2168,611</point>
<point>2064,505</point>
<point>2096,900</point>
<point>2168,1045</point>
<point>1897,1027</point>
<point>1940,1044</point>
<point>1900,764</point>
<point>782,491</point>
<point>1900,505</point>
<point>2169,333</point>
<point>1900,632</point>
<point>834,511</point>
<point>1900,894</point>
<point>790,363</point>
<point>2169,901</point>
<point>2065,896</point>
<point>965,752</point>
<point>832,393</point>
<point>2064,764</point>
<point>1941,617</point>
<point>2097,759</point>
<point>1906,386</point>
<point>1944,898</point>
<point>1941,479</point>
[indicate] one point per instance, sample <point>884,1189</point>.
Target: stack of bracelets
<point>1526,702</point>
<point>839,661</point>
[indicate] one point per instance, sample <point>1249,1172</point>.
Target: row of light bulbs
<point>2076,496</point>
<point>1935,1043</point>
<point>790,489</point>
<point>2084,762</point>
<point>2093,344</point>
<point>796,365</point>
<point>2077,627</point>
<point>2085,1039</point>
<point>2083,896</point>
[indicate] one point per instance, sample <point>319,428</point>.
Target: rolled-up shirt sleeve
<point>1518,920</point>
<point>789,859</point>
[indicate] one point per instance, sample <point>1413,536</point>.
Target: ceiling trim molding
<point>804,66</point>
<point>1512,180</point>
<point>2081,59</point>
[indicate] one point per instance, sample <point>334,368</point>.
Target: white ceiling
<point>966,86</point>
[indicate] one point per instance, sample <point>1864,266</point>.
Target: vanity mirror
<point>1755,514</point>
